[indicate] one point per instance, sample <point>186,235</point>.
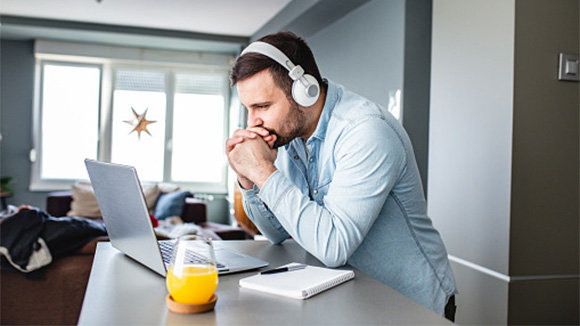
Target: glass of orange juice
<point>192,276</point>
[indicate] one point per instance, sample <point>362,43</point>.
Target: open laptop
<point>122,203</point>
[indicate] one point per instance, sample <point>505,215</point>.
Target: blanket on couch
<point>31,239</point>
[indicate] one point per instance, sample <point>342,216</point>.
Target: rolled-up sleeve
<point>262,216</point>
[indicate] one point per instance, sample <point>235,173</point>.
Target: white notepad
<point>298,284</point>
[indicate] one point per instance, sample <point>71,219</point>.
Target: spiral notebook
<point>298,284</point>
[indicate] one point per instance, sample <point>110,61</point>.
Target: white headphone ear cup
<point>306,95</point>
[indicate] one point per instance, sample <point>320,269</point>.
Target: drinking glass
<point>192,275</point>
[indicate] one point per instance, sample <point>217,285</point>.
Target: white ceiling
<point>224,17</point>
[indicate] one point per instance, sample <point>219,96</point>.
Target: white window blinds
<point>202,83</point>
<point>145,81</point>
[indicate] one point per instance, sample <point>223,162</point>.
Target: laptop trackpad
<point>235,262</point>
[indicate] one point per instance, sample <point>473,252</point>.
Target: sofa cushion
<point>84,202</point>
<point>170,204</point>
<point>165,187</point>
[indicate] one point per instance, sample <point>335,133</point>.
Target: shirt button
<point>296,157</point>
<point>315,191</point>
<point>311,159</point>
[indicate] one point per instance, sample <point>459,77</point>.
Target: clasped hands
<point>251,155</point>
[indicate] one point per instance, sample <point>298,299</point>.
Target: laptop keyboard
<point>166,248</point>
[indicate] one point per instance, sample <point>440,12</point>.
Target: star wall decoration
<point>139,123</point>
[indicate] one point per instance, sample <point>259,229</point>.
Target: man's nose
<point>254,119</point>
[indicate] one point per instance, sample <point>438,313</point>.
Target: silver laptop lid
<point>122,203</point>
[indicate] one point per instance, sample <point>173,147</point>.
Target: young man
<point>335,172</point>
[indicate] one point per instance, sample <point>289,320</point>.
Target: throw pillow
<point>84,202</point>
<point>170,204</point>
<point>151,192</point>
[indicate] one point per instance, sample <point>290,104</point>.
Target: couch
<point>55,297</point>
<point>194,211</point>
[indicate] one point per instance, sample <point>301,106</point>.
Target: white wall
<point>471,127</point>
<point>470,144</point>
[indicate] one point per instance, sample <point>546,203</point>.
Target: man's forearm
<point>261,177</point>
<point>263,218</point>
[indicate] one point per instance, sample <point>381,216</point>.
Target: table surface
<point>123,292</point>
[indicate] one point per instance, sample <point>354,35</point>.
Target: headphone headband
<point>270,51</point>
<point>305,90</point>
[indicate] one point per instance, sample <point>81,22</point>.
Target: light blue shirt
<point>352,194</point>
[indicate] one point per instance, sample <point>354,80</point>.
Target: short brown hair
<point>293,46</point>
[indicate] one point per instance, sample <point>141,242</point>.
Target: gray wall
<point>544,225</point>
<point>16,94</point>
<point>365,62</point>
<point>417,80</point>
<point>545,143</point>
<point>503,160</point>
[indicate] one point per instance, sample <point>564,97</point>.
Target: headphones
<point>305,89</point>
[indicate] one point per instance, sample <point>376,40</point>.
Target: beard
<point>296,121</point>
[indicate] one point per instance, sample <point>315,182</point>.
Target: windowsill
<point>63,185</point>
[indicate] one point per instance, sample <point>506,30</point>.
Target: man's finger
<point>245,133</point>
<point>270,139</point>
<point>260,131</point>
<point>238,137</point>
<point>232,142</point>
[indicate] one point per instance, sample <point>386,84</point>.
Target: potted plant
<point>5,190</point>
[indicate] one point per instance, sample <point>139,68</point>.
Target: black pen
<point>284,269</point>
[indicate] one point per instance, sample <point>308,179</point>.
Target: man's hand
<point>238,137</point>
<point>253,159</point>
<point>250,133</point>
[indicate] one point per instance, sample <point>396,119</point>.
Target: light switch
<point>568,67</point>
<point>572,67</point>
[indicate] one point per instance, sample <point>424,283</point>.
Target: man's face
<point>269,108</point>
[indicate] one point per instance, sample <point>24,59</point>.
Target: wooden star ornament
<point>139,123</point>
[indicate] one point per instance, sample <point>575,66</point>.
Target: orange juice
<point>195,285</point>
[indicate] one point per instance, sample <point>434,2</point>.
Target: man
<point>337,173</point>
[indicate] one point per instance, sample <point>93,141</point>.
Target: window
<point>169,121</point>
<point>198,128</point>
<point>139,93</point>
<point>70,108</point>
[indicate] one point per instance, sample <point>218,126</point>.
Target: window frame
<point>108,68</point>
<point>37,183</point>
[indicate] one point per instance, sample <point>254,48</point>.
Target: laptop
<point>122,203</point>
